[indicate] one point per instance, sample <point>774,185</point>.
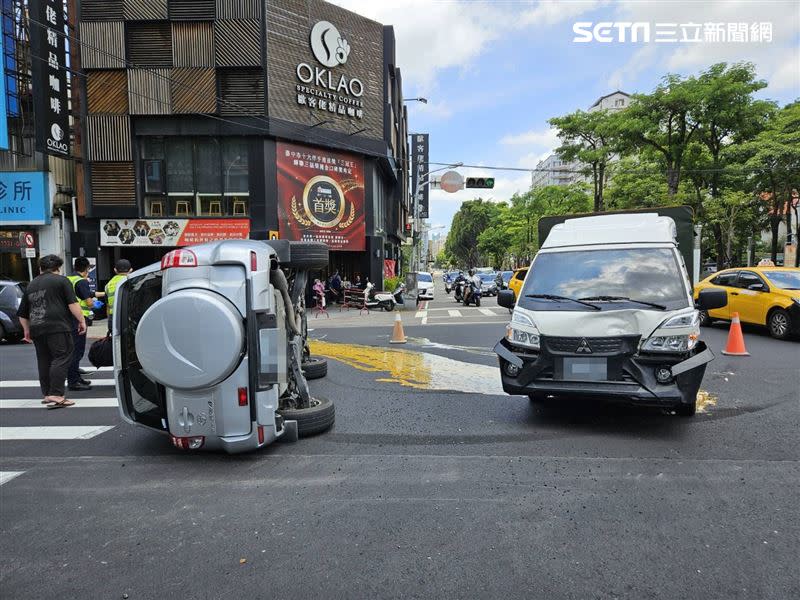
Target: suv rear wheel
<point>315,419</point>
<point>307,255</point>
<point>314,368</point>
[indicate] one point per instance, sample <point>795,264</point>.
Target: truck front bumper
<point>638,383</point>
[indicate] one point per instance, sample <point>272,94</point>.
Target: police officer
<point>121,269</point>
<point>86,298</point>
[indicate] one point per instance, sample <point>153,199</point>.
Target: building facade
<point>215,119</point>
<point>36,190</point>
<point>554,170</point>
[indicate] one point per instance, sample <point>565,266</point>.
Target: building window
<point>619,102</point>
<point>203,177</point>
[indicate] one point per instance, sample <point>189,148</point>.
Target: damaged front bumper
<point>642,379</point>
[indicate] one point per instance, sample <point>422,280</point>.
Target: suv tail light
<point>242,396</point>
<point>179,258</point>
<point>188,443</point>
<point>253,261</point>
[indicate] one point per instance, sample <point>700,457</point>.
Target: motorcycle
<point>398,294</point>
<point>458,289</point>
<point>373,299</point>
<point>472,294</point>
<point>448,286</point>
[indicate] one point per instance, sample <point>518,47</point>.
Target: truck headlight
<point>669,343</point>
<point>690,319</point>
<point>522,331</point>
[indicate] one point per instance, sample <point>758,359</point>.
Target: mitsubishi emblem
<point>584,347</point>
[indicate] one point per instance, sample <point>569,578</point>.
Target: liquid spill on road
<point>426,343</point>
<point>419,370</point>
<point>704,400</point>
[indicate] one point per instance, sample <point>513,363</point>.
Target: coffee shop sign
<point>339,95</point>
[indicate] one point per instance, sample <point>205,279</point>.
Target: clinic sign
<point>49,70</point>
<point>24,198</point>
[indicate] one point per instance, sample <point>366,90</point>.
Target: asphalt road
<point>418,492</point>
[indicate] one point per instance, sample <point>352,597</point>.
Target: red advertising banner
<point>171,232</point>
<point>321,197</point>
<point>388,268</point>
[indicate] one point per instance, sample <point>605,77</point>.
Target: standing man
<point>48,312</point>
<point>121,269</point>
<point>83,291</point>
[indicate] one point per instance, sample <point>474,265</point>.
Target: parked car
<point>488,285</point>
<point>506,278</point>
<point>209,345</point>
<point>10,296</point>
<point>767,296</point>
<point>516,281</point>
<point>424,286</point>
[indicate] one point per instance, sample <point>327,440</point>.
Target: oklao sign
<point>320,88</point>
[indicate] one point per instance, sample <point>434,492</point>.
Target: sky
<point>494,71</point>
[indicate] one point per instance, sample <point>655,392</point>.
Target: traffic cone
<point>398,336</point>
<point>735,345</point>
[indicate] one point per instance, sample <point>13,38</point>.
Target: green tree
<point>591,138</point>
<point>662,121</point>
<point>772,159</point>
<point>472,218</point>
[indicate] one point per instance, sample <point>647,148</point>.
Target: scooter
<point>458,289</point>
<point>448,286</point>
<point>373,299</point>
<point>398,293</point>
<point>473,294</point>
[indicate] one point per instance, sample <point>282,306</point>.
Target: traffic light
<point>485,183</point>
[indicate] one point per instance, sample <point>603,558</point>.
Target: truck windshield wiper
<point>553,297</point>
<point>625,299</point>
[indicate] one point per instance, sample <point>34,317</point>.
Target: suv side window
<point>726,279</point>
<point>747,278</point>
<point>521,275</point>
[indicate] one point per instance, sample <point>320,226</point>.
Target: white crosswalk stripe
<point>30,383</point>
<point>79,403</point>
<point>22,419</point>
<point>454,313</point>
<point>487,311</point>
<point>53,432</point>
<point>6,476</point>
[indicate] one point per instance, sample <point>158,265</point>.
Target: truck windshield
<point>639,274</point>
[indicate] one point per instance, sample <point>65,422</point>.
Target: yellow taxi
<point>516,281</point>
<point>768,296</point>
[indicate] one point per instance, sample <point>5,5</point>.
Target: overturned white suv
<point>210,345</point>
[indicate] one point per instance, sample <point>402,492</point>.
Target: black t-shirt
<point>45,305</point>
<point>83,290</point>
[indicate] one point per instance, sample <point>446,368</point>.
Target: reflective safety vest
<point>86,307</point>
<point>111,288</point>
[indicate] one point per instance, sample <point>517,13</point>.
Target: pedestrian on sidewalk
<point>121,270</point>
<point>48,312</point>
<point>86,299</point>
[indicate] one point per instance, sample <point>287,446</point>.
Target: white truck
<point>606,311</point>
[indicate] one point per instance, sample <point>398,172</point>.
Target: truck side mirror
<point>505,298</point>
<point>710,299</point>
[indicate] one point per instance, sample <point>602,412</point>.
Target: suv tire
<point>314,368</point>
<point>307,255</point>
<point>317,418</point>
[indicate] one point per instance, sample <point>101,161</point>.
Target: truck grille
<point>596,345</point>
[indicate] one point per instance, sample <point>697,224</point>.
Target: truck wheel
<point>686,410</point>
<point>307,255</point>
<point>705,320</point>
<point>317,418</point>
<point>314,368</point>
<point>780,324</point>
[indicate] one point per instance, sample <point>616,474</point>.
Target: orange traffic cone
<point>398,336</point>
<point>735,345</point>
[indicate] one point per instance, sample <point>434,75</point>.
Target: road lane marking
<point>53,432</point>
<point>420,314</point>
<point>30,383</point>
<point>451,312</point>
<point>6,476</point>
<point>79,403</point>
<point>487,311</point>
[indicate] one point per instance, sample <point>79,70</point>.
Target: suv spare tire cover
<point>190,339</point>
